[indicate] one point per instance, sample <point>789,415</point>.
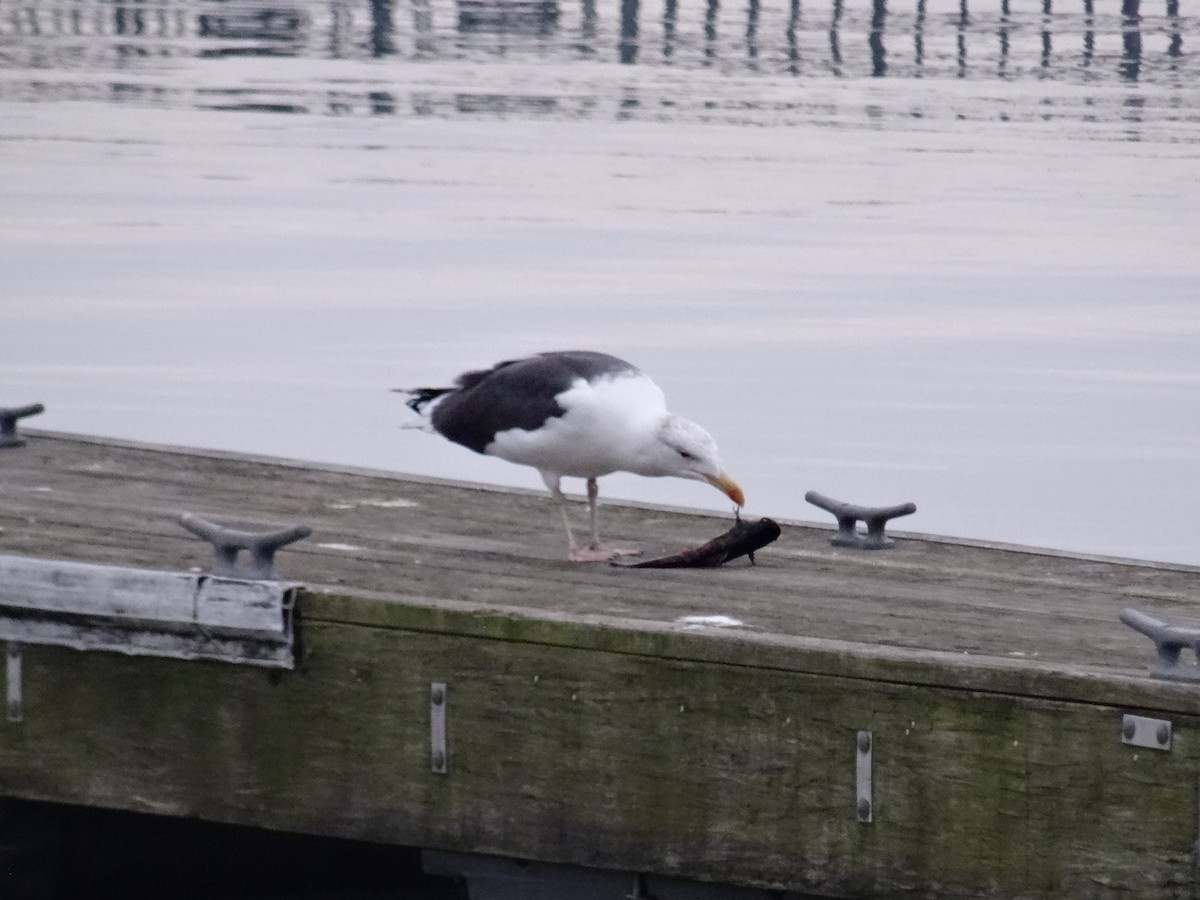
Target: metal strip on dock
<point>865,802</point>
<point>182,615</point>
<point>13,683</point>
<point>438,756</point>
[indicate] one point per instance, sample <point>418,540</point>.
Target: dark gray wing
<point>517,393</point>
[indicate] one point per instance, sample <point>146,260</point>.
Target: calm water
<point>928,251</point>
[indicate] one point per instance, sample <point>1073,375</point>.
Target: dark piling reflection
<point>424,43</point>
<point>383,103</point>
<point>1089,34</point>
<point>875,38</point>
<point>711,11</point>
<point>382,29</point>
<point>1002,33</point>
<point>129,20</point>
<point>1131,39</point>
<point>752,30</point>
<point>919,37</point>
<point>1175,48</point>
<point>1047,44</point>
<point>964,23</point>
<point>835,50</point>
<point>627,47</point>
<point>793,46</point>
<point>670,17</point>
<point>587,25</point>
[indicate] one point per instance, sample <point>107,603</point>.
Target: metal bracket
<point>438,756</point>
<point>1169,641</point>
<point>12,669</point>
<point>848,515</point>
<point>179,615</point>
<point>864,807</point>
<point>227,543</point>
<point>1140,731</point>
<point>8,422</point>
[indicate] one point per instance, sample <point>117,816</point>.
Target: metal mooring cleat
<point>848,515</point>
<point>227,543</point>
<point>1169,641</point>
<point>8,423</point>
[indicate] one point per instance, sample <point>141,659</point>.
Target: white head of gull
<point>574,414</point>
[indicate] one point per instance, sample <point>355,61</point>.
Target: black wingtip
<point>421,396</point>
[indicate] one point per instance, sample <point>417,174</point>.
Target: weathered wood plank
<point>114,504</point>
<point>758,650</point>
<point>707,770</point>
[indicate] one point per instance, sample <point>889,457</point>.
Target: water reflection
<point>1175,49</point>
<point>710,30</point>
<point>587,28</point>
<point>508,16</point>
<point>1131,39</point>
<point>793,47</point>
<point>839,38</point>
<point>628,47</point>
<point>236,26</point>
<point>875,39</point>
<point>249,27</point>
<point>670,12</point>
<point>835,51</point>
<point>919,36</point>
<point>1047,42</point>
<point>383,30</point>
<point>1002,32</point>
<point>964,21</point>
<point>752,32</point>
<point>1089,34</point>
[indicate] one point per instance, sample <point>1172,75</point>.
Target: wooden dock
<point>974,697</point>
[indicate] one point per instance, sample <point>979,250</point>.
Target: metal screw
<point>864,809</point>
<point>1129,730</point>
<point>864,743</point>
<point>439,760</point>
<point>438,696</point>
<point>1163,734</point>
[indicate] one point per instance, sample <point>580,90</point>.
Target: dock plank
<point>106,502</point>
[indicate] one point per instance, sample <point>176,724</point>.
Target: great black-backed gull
<point>574,414</point>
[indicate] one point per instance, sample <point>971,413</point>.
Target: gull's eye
<point>686,455</point>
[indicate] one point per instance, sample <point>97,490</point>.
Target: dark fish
<point>741,540</point>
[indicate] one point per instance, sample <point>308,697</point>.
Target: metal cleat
<point>227,543</point>
<point>848,515</point>
<point>8,422</point>
<point>1169,642</point>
